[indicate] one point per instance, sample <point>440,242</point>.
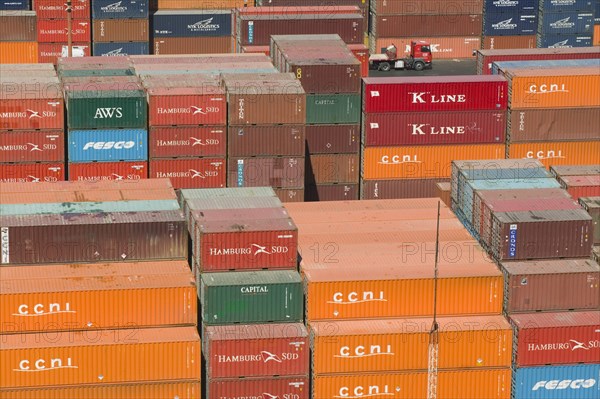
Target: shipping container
<point>280,387</point>
<point>107,145</point>
<point>32,172</point>
<point>51,52</point>
<point>56,9</point>
<point>455,384</point>
<point>209,195</point>
<point>87,207</point>
<point>443,192</point>
<point>256,50</point>
<point>332,139</point>
<point>106,109</point>
<point>267,140</point>
<point>117,237</point>
<point>190,172</point>
<point>575,170</point>
<point>426,25</point>
<point>510,6</point>
<point>566,22</point>
<point>551,285</point>
<point>581,186</point>
<point>358,346</point>
<point>105,9</point>
<point>425,7</point>
<point>108,171</point>
<point>288,195</point>
<point>191,23</point>
<point>187,141</point>
<point>92,297</point>
<point>78,358</point>
<point>565,5</point>
<point>508,42</point>
<point>434,128</point>
<point>251,297</point>
<point>426,94</point>
<point>14,5</point>
<point>278,172</point>
<point>513,23</point>
<point>245,208</point>
<point>557,152</point>
<point>97,87</point>
<point>552,124</point>
<point>18,52</point>
<point>41,108</point>
<point>554,382</point>
<point>332,168</point>
<point>18,26</point>
<point>400,188</point>
<point>592,206</point>
<point>565,41</point>
<point>447,47</point>
<point>121,49</point>
<point>32,146</point>
<point>422,161</point>
<point>331,192</point>
<point>256,350</point>
<point>56,30</point>
<point>333,108</point>
<point>499,68</point>
<point>205,105</point>
<point>192,45</point>
<point>120,30</point>
<point>596,35</point>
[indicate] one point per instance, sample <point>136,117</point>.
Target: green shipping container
<point>106,109</point>
<point>88,207</point>
<point>72,73</point>
<point>333,108</point>
<point>251,297</point>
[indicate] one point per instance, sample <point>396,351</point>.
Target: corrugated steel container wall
<point>564,41</point>
<point>148,186</point>
<point>332,168</point>
<point>18,52</point>
<point>592,206</point>
<point>329,77</point>
<point>596,35</point>
<point>51,52</point>
<point>575,170</point>
<point>14,5</point>
<point>108,171</point>
<point>187,141</point>
<point>285,172</point>
<point>577,381</point>
<point>263,108</point>
<point>332,139</point>
<point>31,146</point>
<point>423,7</point>
<point>508,42</point>
<point>510,6</point>
<point>121,49</point>
<point>102,9</point>
<point>102,110</point>
<point>191,23</point>
<point>274,140</point>
<point>423,161</point>
<point>581,186</point>
<point>457,384</point>
<point>55,9</point>
<point>205,105</point>
<point>429,128</point>
<point>290,194</point>
<point>164,389</point>
<point>443,192</point>
<point>361,52</point>
<point>557,152</point>
<point>18,26</point>
<point>120,30</point>
<point>565,5</point>
<point>190,172</point>
<point>76,358</point>
<point>192,45</point>
<point>331,192</point>
<point>251,297</point>
<point>426,25</point>
<point>553,124</point>
<point>566,23</point>
<point>88,207</point>
<point>280,387</point>
<point>117,236</point>
<point>533,286</point>
<point>512,23</point>
<point>401,188</point>
<point>262,350</point>
<point>333,108</point>
<point>499,68</point>
<point>56,30</point>
<point>32,172</point>
<point>44,112</point>
<point>107,145</point>
<point>456,93</point>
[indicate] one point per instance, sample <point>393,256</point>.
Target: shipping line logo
<point>184,143</point>
<point>365,391</point>
<point>564,23</point>
<point>29,114</point>
<point>40,310</point>
<point>506,3</point>
<point>354,297</point>
<point>41,365</point>
<point>360,351</point>
<point>561,44</point>
<point>572,345</point>
<point>550,154</point>
<point>263,356</point>
<point>115,7</point>
<point>398,159</point>
<point>417,129</point>
<point>547,88</point>
<point>189,110</point>
<point>564,384</point>
<point>104,113</point>
<point>109,145</point>
<point>504,25</point>
<point>115,53</point>
<point>204,25</point>
<point>253,249</point>
<point>25,147</point>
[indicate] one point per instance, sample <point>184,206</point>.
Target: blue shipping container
<point>542,64</point>
<point>121,49</point>
<point>108,145</point>
<point>509,24</point>
<point>566,5</point>
<point>564,41</point>
<point>191,23</point>
<point>6,5</point>
<point>597,13</point>
<point>111,9</point>
<point>557,382</point>
<point>566,23</point>
<point>511,6</point>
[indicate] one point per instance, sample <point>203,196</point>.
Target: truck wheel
<point>385,66</point>
<point>419,66</point>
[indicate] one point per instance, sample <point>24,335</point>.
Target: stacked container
<point>510,24</point>
<point>565,23</point>
<point>14,5</point>
<point>18,35</point>
<point>414,127</point>
<point>120,28</point>
<point>31,124</point>
<point>452,28</point>
<point>596,35</point>
<point>331,76</point>
<point>579,181</point>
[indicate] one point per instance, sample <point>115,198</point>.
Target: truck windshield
<point>425,49</point>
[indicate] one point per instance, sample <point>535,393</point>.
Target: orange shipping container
<point>456,384</point>
<point>18,52</point>
<point>154,390</point>
<point>402,344</point>
<point>107,356</point>
<point>441,47</point>
<point>553,88</point>
<point>596,39</point>
<point>558,153</point>
<point>422,161</point>
<point>95,296</point>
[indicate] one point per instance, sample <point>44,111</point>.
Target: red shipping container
<point>556,338</point>
<point>205,105</point>
<point>31,172</point>
<point>45,111</point>
<point>96,171</point>
<point>267,388</point>
<point>32,146</point>
<point>56,9</point>
<point>435,93</point>
<point>56,30</point>
<point>256,350</point>
<point>190,172</point>
<point>581,186</point>
<point>434,128</point>
<point>361,52</point>
<point>51,52</point>
<point>187,141</point>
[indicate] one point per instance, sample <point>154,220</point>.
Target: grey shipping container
<point>88,207</point>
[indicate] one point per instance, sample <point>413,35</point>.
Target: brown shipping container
<point>331,192</point>
<point>29,146</point>
<point>18,26</point>
<point>332,168</point>
<point>332,139</point>
<point>424,7</point>
<point>575,170</point>
<point>97,296</point>
<point>35,239</point>
<point>120,30</point>
<point>274,140</point>
<point>290,194</point>
<point>592,206</point>
<point>190,172</point>
<point>508,42</point>
<point>356,346</point>
<point>280,387</point>
<point>553,124</point>
<point>426,25</point>
<point>450,47</point>
<point>256,350</point>
<point>278,172</point>
<point>400,188</point>
<point>186,141</point>
<point>551,285</point>
<point>192,45</point>
<point>326,76</point>
<point>443,191</point>
<point>163,389</point>
<point>86,357</point>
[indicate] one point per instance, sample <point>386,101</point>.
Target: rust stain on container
<point>18,26</point>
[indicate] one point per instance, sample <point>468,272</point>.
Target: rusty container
<point>277,172</point>
<point>266,140</point>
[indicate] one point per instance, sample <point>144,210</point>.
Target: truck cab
<point>419,58</point>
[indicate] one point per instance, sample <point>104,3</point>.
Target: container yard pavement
<point>440,68</point>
